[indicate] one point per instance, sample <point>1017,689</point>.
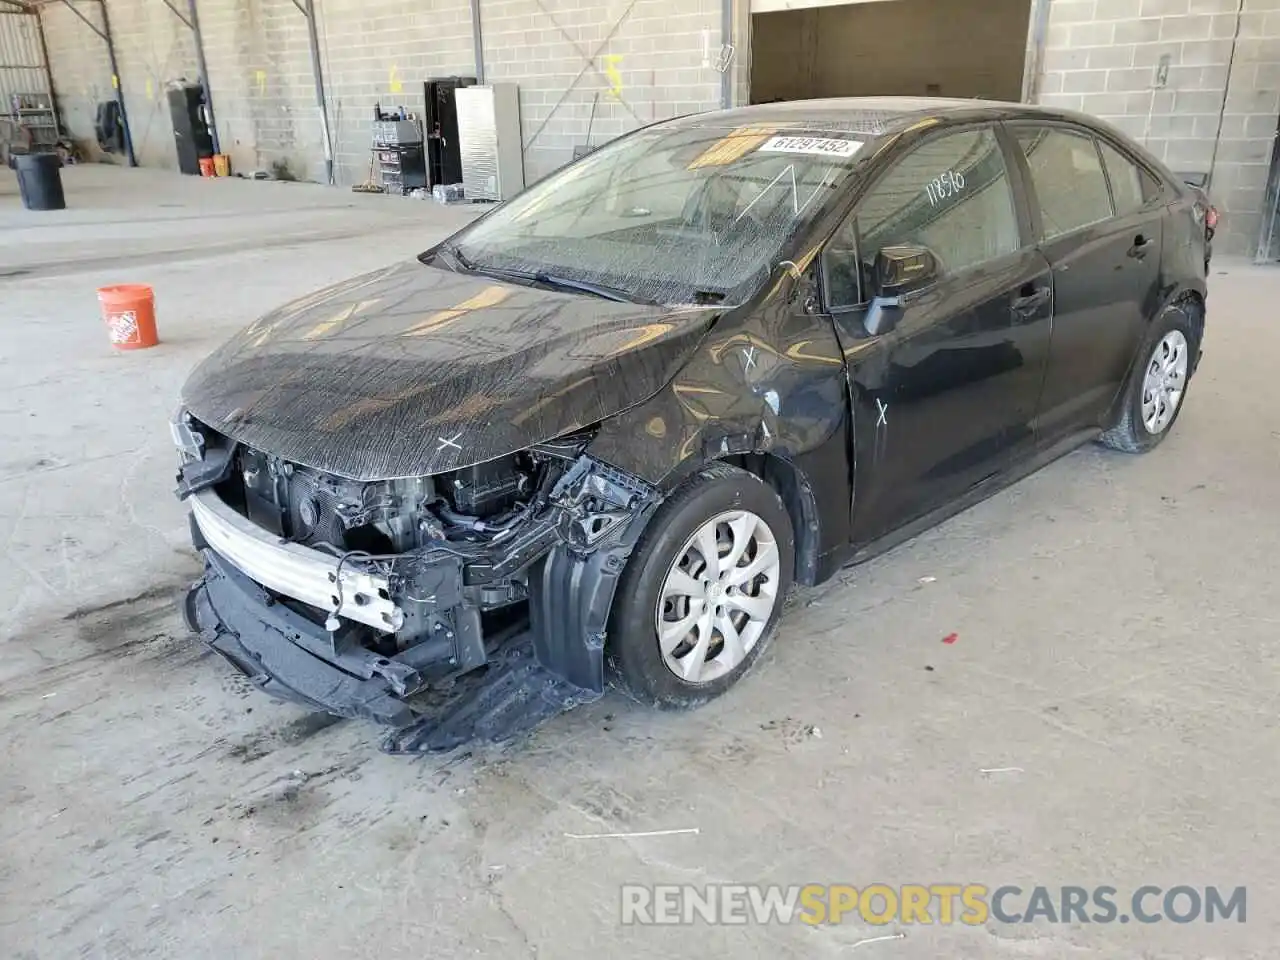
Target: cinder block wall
<point>651,63</point>
<point>381,51</point>
<point>653,59</point>
<point>1104,57</point>
<point>260,72</point>
<point>259,69</point>
<point>80,67</point>
<point>152,47</point>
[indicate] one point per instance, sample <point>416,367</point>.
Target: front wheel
<point>703,591</point>
<point>1157,385</point>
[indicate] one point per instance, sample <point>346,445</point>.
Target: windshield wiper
<point>586,286</point>
<point>451,251</point>
<point>565,283</point>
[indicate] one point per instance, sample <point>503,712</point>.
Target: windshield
<point>666,215</point>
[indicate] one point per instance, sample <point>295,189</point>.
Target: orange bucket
<point>221,165</point>
<point>206,167</point>
<point>129,310</point>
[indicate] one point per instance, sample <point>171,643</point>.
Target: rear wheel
<point>1157,386</point>
<point>703,591</point>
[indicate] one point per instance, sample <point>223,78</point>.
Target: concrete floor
<point>1116,620</point>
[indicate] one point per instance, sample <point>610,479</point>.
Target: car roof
<point>871,116</point>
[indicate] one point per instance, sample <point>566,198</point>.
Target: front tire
<point>1157,385</point>
<point>703,591</point>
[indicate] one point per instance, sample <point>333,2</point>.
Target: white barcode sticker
<point>818,146</point>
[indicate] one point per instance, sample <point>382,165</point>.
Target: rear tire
<point>684,629</point>
<point>1157,385</point>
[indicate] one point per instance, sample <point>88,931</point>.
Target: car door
<point>944,398</point>
<point>1102,237</point>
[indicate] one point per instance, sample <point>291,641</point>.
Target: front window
<point>950,195</point>
<point>669,215</point>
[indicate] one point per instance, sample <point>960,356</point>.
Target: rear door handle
<point>1029,303</point>
<point>1140,246</point>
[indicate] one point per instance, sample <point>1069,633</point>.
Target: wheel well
<point>792,487</point>
<point>1194,305</point>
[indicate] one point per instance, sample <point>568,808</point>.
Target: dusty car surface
<point>601,431</point>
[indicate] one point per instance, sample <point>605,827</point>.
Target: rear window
<point>1152,187</point>
<point>1067,174</point>
<point>1126,180</point>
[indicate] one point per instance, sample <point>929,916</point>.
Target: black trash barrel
<point>39,181</point>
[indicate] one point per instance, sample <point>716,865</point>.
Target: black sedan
<point>601,432</point>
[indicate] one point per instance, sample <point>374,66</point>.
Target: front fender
<point>772,382</point>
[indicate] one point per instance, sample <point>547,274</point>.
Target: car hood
<point>414,370</point>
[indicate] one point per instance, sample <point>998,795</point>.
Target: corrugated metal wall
<point>25,96</point>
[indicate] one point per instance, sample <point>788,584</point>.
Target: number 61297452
<point>945,186</point>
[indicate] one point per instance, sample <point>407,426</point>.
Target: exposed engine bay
<point>409,583</point>
<point>391,516</point>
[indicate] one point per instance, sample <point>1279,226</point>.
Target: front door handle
<point>1031,301</point>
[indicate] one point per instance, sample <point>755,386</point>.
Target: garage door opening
<point>940,48</point>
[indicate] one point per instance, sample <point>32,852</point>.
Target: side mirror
<point>898,271</point>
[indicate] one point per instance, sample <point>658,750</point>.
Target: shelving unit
<point>31,116</point>
<point>398,152</point>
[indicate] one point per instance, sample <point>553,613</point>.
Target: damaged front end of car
<point>470,604</point>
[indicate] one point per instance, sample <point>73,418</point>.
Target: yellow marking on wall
<point>611,61</point>
<point>488,297</point>
<point>730,147</point>
<point>115,81</point>
<point>151,89</point>
<point>393,80</point>
<point>260,78</point>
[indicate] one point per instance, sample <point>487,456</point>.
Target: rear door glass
<point>1126,180</point>
<point>1152,189</point>
<point>1067,174</point>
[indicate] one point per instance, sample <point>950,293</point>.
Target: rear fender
<point>1188,297</point>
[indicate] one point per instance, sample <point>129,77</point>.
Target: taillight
<point>1211,218</point>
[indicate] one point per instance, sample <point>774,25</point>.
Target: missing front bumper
<point>281,652</point>
<point>275,648</point>
<point>292,569</point>
<point>431,695</point>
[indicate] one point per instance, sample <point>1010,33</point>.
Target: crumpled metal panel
<point>414,370</point>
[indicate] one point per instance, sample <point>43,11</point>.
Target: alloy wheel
<point>1165,382</point>
<point>718,596</point>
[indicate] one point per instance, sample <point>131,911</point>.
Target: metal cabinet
<point>489,135</point>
